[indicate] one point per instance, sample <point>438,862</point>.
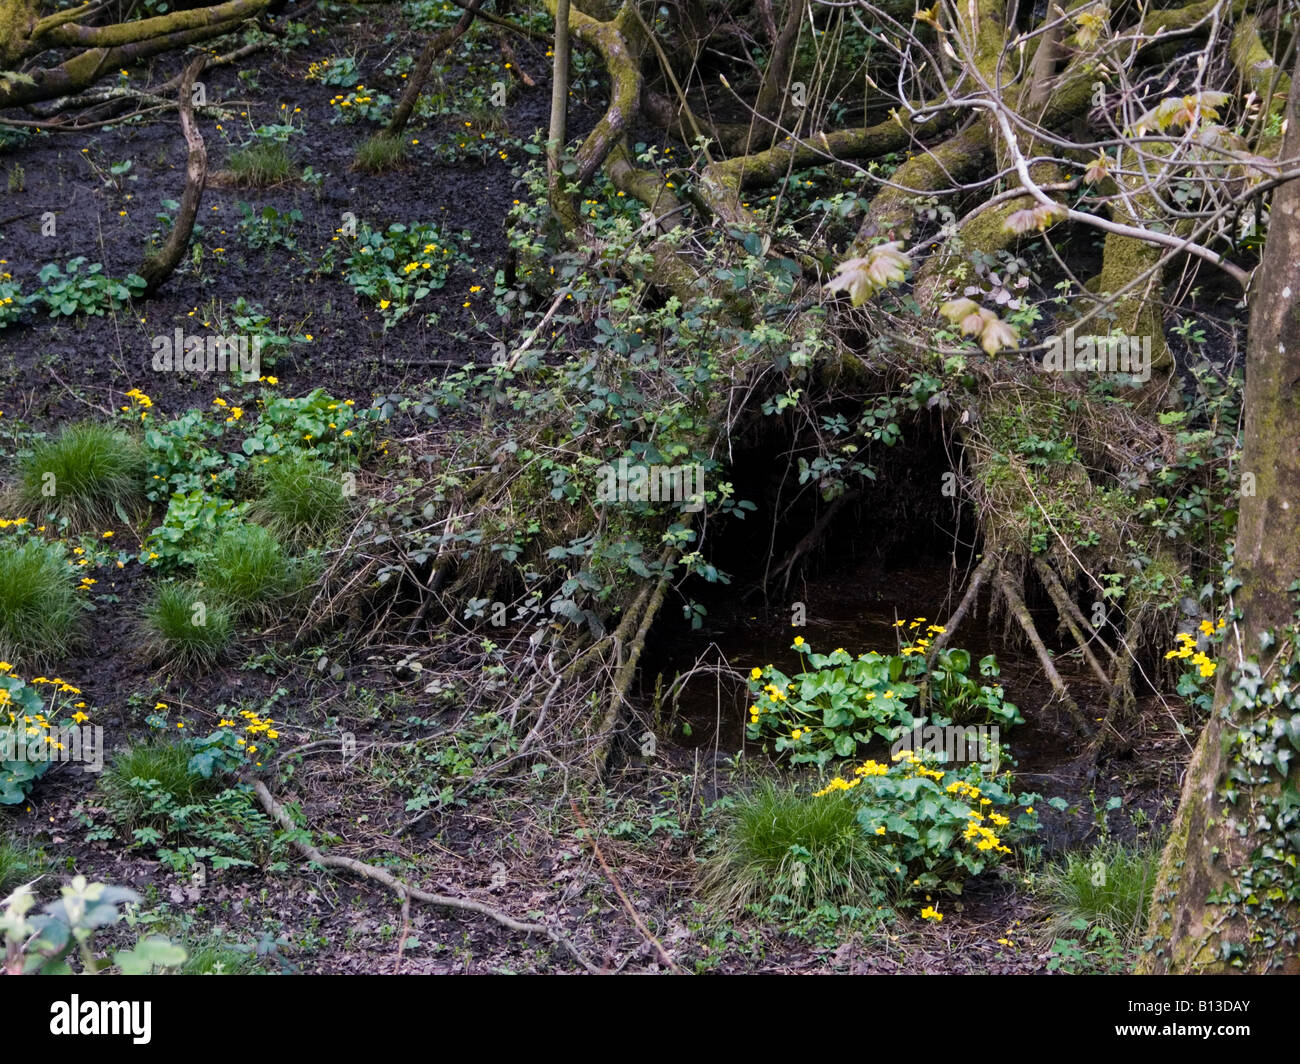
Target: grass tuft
<point>166,763</point>
<point>261,165</point>
<point>88,474</point>
<point>301,499</point>
<point>1108,886</point>
<point>381,153</point>
<point>777,841</point>
<point>185,626</point>
<point>19,863</point>
<point>38,603</point>
<point>249,570</point>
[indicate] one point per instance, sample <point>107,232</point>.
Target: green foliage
<point>81,289</point>
<point>39,607</point>
<point>1262,746</point>
<point>19,863</point>
<point>12,300</point>
<point>186,626</point>
<point>87,475</point>
<point>248,569</point>
<point>778,842</point>
<point>193,522</point>
<point>268,228</point>
<point>44,943</point>
<point>1107,888</point>
<point>839,703</point>
<point>1089,949</point>
<point>27,724</point>
<point>360,104</point>
<point>317,422</point>
<point>936,826</point>
<point>302,499</point>
<point>400,266</point>
<point>261,164</point>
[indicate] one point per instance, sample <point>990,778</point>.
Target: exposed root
<point>1021,613</point>
<point>1070,617</point>
<point>977,578</point>
<point>405,890</point>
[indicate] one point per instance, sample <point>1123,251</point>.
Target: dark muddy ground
<point>510,851</point>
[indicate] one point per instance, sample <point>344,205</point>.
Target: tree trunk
<point>1227,896</point>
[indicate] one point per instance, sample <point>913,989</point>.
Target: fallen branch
<point>405,891</point>
<point>157,268</point>
<point>627,905</point>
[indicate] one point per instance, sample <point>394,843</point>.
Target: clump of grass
<point>1108,886</point>
<point>216,958</point>
<point>186,626</point>
<point>38,603</point>
<point>380,153</point>
<point>261,165</point>
<point>166,764</point>
<point>301,497</point>
<point>249,570</point>
<point>87,474</point>
<point>777,841</point>
<point>19,863</point>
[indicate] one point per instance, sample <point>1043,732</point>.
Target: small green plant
<point>261,164</point>
<point>380,154</point>
<point>185,627</point>
<point>17,178</point>
<point>268,228</point>
<point>220,958</point>
<point>1099,901</point>
<point>192,522</point>
<point>400,266</point>
<point>302,498</point>
<point>248,569</point>
<point>779,842</point>
<point>19,863</point>
<point>39,607</point>
<point>12,301</point>
<point>43,944</point>
<point>88,474</point>
<point>135,779</point>
<point>360,103</point>
<point>31,730</point>
<point>1089,950</point>
<point>81,289</point>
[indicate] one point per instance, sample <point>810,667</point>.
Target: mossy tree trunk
<point>1215,906</point>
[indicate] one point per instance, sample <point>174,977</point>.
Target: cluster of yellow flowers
<point>921,644</point>
<point>140,401</point>
<point>12,523</point>
<point>236,412</point>
<point>35,723</point>
<point>254,726</point>
<point>1187,648</point>
<point>343,101</point>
